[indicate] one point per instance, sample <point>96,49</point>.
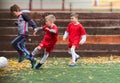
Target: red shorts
<point>48,46</point>
<point>75,43</point>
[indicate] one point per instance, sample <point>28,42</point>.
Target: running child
<point>49,40</point>
<point>19,42</point>
<point>76,35</point>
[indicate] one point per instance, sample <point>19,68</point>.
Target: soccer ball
<point>3,62</point>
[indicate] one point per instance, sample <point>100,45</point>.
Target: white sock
<point>35,51</point>
<point>76,55</point>
<point>44,58</point>
<point>69,51</point>
<point>73,55</point>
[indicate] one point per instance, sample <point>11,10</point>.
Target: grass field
<point>56,70</point>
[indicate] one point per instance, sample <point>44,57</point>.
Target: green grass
<point>56,70</point>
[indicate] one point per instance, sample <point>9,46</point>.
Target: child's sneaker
<point>77,58</point>
<point>28,57</point>
<point>72,64</point>
<point>38,66</point>
<point>33,62</point>
<point>21,58</point>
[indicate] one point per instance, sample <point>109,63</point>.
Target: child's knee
<point>13,43</point>
<point>72,48</point>
<point>69,51</point>
<point>38,47</point>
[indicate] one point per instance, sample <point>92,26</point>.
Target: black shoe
<point>38,66</point>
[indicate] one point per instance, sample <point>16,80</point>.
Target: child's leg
<point>15,44</point>
<point>22,45</point>
<point>69,51</point>
<point>73,54</point>
<point>46,54</point>
<point>36,51</point>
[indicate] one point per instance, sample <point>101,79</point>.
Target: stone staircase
<point>103,34</point>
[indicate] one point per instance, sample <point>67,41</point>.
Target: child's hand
<point>47,29</point>
<point>65,35</point>
<point>83,39</point>
<point>16,23</point>
<point>81,43</point>
<point>35,31</point>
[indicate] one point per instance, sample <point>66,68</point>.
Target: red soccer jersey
<point>75,33</point>
<point>49,39</point>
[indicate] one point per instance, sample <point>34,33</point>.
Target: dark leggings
<point>19,44</point>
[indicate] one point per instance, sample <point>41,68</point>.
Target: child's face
<point>15,14</point>
<point>73,19</point>
<point>48,22</point>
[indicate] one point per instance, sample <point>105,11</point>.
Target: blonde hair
<point>51,17</point>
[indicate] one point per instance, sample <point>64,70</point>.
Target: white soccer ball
<point>3,62</point>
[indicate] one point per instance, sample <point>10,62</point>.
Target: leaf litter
<point>14,66</point>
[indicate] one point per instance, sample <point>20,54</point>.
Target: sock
<point>69,51</point>
<point>44,58</point>
<point>38,65</point>
<point>76,55</point>
<point>35,51</point>
<point>73,55</point>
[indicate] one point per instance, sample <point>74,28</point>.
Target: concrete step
<point>100,41</point>
<point>91,39</point>
<point>64,23</point>
<point>65,15</point>
<point>31,46</point>
<point>14,31</point>
<point>63,53</point>
<point>89,30</point>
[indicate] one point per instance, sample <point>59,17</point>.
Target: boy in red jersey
<point>49,40</point>
<point>76,35</point>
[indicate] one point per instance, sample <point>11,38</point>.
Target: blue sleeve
<point>29,20</point>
